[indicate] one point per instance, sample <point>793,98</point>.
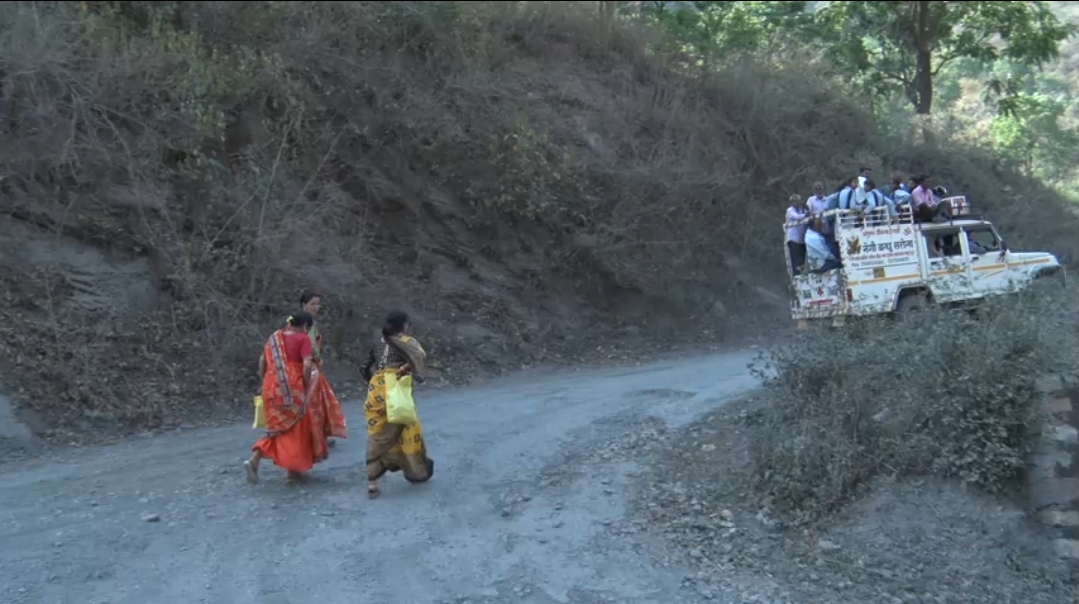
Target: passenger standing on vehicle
<point>864,174</point>
<point>818,204</point>
<point>818,252</point>
<point>796,233</point>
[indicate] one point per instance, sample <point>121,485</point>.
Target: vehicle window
<point>943,244</point>
<point>982,240</point>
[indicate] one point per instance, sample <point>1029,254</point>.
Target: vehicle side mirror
<point>1003,246</point>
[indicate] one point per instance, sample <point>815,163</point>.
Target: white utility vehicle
<point>894,264</point>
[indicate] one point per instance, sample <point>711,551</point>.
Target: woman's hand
<point>403,370</point>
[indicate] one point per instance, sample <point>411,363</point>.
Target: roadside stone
<point>1045,465</point>
<point>1062,518</point>
<point>1055,492</point>
<point>826,546</point>
<point>1060,405</point>
<point>151,518</point>
<point>1066,548</point>
<point>1049,384</point>
<point>1067,435</point>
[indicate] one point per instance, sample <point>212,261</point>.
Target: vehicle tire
<point>1048,285</point>
<point>911,303</point>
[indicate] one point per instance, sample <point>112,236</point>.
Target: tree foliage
<point>922,55</point>
<point>901,47</point>
<point>1032,135</point>
<point>715,30</point>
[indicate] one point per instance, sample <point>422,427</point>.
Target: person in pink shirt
<point>922,202</point>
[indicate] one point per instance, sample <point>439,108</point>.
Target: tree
<point>711,30</point>
<point>903,46</point>
<point>1032,135</point>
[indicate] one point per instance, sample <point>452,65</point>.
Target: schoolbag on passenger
<point>832,201</point>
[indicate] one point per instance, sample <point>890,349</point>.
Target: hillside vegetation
<point>535,182</point>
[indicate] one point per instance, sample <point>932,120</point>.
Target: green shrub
<point>947,392</point>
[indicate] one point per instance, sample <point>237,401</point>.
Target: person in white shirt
<point>818,204</point>
<point>818,252</point>
<point>796,234</point>
<point>864,174</point>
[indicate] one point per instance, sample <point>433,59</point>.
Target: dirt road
<point>527,505</point>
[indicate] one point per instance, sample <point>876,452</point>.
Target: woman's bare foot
<point>373,490</point>
<point>251,467</point>
<point>294,478</point>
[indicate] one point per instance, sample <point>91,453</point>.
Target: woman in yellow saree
<point>296,415</point>
<point>392,447</point>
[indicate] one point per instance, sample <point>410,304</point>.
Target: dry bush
<point>949,392</point>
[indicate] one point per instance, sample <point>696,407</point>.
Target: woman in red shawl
<point>295,413</point>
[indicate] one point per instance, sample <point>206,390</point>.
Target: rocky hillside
<point>533,183</point>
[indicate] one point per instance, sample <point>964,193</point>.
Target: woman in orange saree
<point>311,303</point>
<point>295,413</point>
<point>392,447</point>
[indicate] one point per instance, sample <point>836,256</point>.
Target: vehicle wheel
<point>911,303</point>
<point>1048,285</point>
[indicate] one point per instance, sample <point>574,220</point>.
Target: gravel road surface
<point>527,505</point>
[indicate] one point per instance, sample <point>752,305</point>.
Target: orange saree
<point>333,424</point>
<point>298,421</point>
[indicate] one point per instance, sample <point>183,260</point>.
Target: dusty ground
<point>901,542</point>
<point>585,486</point>
<point>528,505</point>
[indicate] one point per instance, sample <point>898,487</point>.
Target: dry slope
<point>533,185</point>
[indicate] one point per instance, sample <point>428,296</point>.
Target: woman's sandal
<point>373,491</point>
<point>252,472</point>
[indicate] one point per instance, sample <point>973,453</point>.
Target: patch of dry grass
<point>949,393</point>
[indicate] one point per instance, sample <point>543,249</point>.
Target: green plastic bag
<point>400,408</point>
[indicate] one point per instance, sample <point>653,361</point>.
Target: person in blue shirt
<point>845,195</point>
<point>900,193</point>
<point>876,199</point>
